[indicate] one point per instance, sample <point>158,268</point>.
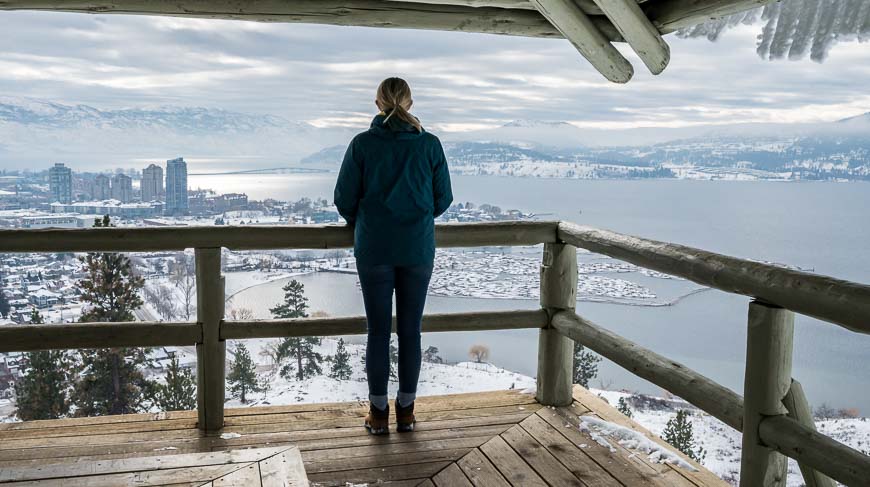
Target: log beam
<point>769,345</point>
<point>826,298</point>
<point>717,400</point>
<point>257,237</point>
<point>667,15</point>
<point>637,30</point>
<point>555,350</point>
<point>211,353</point>
<point>815,450</point>
<point>30,338</point>
<point>799,410</point>
<point>578,28</point>
<point>356,325</point>
<point>588,6</point>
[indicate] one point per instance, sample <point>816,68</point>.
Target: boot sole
<point>377,431</point>
<point>405,428</point>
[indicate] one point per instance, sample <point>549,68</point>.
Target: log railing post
<point>769,341</point>
<point>555,350</point>
<point>211,353</point>
<point>799,409</point>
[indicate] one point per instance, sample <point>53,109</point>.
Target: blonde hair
<point>395,94</point>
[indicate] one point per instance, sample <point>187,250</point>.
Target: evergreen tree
<point>243,375</point>
<point>299,348</point>
<point>623,408</point>
<point>179,391</point>
<point>341,369</point>
<point>43,390</point>
<point>295,303</point>
<point>113,382</point>
<point>431,355</point>
<point>585,365</point>
<point>678,433</point>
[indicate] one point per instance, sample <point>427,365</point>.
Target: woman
<point>393,183</point>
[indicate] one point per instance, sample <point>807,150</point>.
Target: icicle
<point>771,15</point>
<point>805,30</point>
<point>795,28</point>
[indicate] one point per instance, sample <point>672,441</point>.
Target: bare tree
<point>479,353</point>
<point>271,350</point>
<point>188,295</point>
<point>163,299</point>
<point>241,314</point>
<point>184,277</point>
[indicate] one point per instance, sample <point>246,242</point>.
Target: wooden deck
<point>493,439</point>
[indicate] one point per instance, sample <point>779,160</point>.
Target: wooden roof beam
<point>667,15</point>
<point>576,26</point>
<point>639,32</point>
<point>588,6</point>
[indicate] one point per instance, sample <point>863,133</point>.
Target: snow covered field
<point>490,274</point>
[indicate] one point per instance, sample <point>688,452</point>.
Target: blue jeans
<point>411,284</point>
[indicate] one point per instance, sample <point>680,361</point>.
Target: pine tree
<point>43,390</point>
<point>179,391</point>
<point>113,382</point>
<point>295,303</point>
<point>431,355</point>
<point>678,433</point>
<point>623,408</point>
<point>243,375</point>
<point>585,365</point>
<point>341,369</point>
<point>300,348</point>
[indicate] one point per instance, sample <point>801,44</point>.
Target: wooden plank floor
<point>253,467</point>
<point>500,438</point>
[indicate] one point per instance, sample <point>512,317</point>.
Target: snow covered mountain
<point>43,131</point>
<point>38,132</point>
<point>180,119</point>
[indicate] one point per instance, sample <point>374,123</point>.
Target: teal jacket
<point>392,185</point>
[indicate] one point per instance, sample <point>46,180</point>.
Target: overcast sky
<point>327,75</point>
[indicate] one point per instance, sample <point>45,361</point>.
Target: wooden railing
<point>773,414</point>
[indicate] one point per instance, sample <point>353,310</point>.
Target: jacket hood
<point>394,128</point>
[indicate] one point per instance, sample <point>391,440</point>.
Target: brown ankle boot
<point>377,421</point>
<point>405,419</point>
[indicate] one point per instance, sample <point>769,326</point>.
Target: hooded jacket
<point>392,185</point>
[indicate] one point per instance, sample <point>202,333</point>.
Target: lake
<point>819,226</point>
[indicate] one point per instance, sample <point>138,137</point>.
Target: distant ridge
<point>29,111</point>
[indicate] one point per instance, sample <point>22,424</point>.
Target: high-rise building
<point>100,189</point>
<point>152,183</point>
<point>122,188</point>
<point>60,183</point>
<point>176,187</point>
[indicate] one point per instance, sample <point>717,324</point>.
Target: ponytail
<point>394,96</point>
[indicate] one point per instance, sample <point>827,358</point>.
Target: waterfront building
<point>176,187</point>
<point>60,183</point>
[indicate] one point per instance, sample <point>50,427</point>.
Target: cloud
<point>327,75</point>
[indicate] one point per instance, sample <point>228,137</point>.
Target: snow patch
<point>600,430</point>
